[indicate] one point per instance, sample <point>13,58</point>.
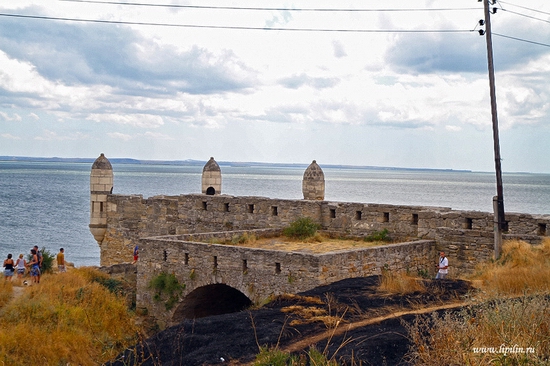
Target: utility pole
<point>500,224</point>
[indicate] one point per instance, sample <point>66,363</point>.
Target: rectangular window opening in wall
<point>414,220</point>
<point>245,266</point>
<point>277,268</point>
<point>468,223</point>
<point>386,217</point>
<point>358,215</point>
<point>215,262</point>
<point>165,255</point>
<point>100,206</point>
<point>186,259</point>
<point>332,213</point>
<point>226,207</point>
<point>204,205</point>
<point>542,229</point>
<point>274,211</point>
<point>251,208</point>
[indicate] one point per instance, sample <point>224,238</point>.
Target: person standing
<point>136,254</point>
<point>35,267</point>
<point>61,261</point>
<point>8,268</point>
<point>20,266</point>
<point>39,255</point>
<point>443,266</point>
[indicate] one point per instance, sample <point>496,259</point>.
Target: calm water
<point>47,204</point>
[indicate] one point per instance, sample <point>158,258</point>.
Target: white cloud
<point>10,136</point>
<point>120,136</point>
<point>272,90</point>
<point>453,128</point>
<point>6,117</point>
<point>48,135</point>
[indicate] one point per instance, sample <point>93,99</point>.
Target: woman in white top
<point>20,266</point>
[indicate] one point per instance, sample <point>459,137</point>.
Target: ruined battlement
<point>466,235</point>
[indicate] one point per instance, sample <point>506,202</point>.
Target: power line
<point>525,15</point>
<point>523,7</point>
<point>237,27</point>
<point>521,40</point>
<point>265,8</point>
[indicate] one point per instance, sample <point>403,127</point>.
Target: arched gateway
<point>210,300</point>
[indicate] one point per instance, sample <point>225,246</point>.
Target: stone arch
<point>210,300</point>
<point>210,191</point>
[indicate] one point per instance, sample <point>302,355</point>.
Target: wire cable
<point>521,40</point>
<point>525,15</point>
<point>523,7</point>
<point>264,8</point>
<point>237,27</point>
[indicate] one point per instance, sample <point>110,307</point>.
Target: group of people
<point>34,265</point>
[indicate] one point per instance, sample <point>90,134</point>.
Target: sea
<point>47,203</point>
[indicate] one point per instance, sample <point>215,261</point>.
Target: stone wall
<point>466,235</point>
<point>260,273</point>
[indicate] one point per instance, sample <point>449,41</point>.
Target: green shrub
<point>302,228</point>
<point>274,357</point>
<point>47,261</point>
<point>168,289</point>
<point>381,235</point>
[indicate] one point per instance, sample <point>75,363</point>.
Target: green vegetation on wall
<point>167,288</point>
<point>302,228</point>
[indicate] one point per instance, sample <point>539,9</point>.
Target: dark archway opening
<point>211,300</point>
<point>210,191</point>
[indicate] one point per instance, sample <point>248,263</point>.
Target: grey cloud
<point>426,53</point>
<point>465,52</point>
<point>339,50</point>
<point>297,81</point>
<point>116,56</point>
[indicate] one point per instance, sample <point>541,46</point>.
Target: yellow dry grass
<point>522,268</point>
<point>6,290</point>
<point>315,245</point>
<point>66,319</point>
<point>400,283</point>
<point>508,325</point>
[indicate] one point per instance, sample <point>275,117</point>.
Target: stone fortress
<point>177,235</point>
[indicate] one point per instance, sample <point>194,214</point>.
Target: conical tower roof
<point>211,166</point>
<point>102,163</point>
<point>314,172</point>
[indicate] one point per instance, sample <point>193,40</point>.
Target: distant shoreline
<point>190,162</point>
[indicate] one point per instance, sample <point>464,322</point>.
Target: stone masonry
<point>167,229</point>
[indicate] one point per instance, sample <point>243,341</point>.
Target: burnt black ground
<point>216,340</point>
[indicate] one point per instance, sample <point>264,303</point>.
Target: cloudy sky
<point>342,87</point>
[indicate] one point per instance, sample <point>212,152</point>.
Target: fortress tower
<point>101,184</point>
<point>211,178</point>
<point>313,183</point>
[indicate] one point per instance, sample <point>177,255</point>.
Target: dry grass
<point>399,283</point>
<point>522,268</point>
<point>306,299</point>
<point>509,326</point>
<point>500,332</point>
<point>6,290</point>
<point>66,319</point>
<point>315,244</point>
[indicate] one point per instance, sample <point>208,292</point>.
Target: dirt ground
<point>369,331</point>
<point>319,244</point>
